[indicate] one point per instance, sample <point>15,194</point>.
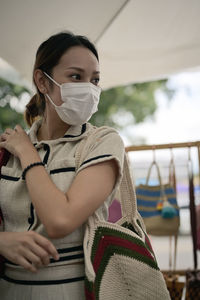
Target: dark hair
<point>47,57</point>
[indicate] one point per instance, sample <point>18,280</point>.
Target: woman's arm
<point>61,213</point>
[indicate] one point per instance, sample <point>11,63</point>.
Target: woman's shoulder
<point>104,135</point>
<point>101,131</point>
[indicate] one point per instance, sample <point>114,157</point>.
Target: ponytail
<point>34,109</point>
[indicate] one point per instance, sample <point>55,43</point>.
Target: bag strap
<point>172,173</point>
<point>193,221</point>
<point>127,191</point>
<point>154,163</point>
<point>4,157</point>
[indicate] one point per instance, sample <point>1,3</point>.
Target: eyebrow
<point>82,70</point>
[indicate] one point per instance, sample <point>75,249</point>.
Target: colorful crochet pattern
<point>108,242</point>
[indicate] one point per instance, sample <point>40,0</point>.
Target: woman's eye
<point>95,81</point>
<point>76,76</point>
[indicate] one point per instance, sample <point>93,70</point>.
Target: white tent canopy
<point>137,40</point>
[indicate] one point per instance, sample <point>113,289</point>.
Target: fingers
<point>33,259</point>
<point>4,136</point>
<point>3,140</point>
<point>14,140</point>
<point>42,255</point>
<point>28,249</point>
<point>47,245</point>
<point>8,131</point>
<point>27,265</point>
<point>1,144</point>
<point>38,252</point>
<point>18,128</point>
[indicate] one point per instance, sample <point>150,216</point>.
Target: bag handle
<point>172,176</point>
<point>127,191</point>
<point>154,163</point>
<point>172,173</point>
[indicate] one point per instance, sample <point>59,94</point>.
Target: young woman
<point>44,198</point>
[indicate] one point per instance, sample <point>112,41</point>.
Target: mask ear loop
<point>46,95</point>
<point>52,79</point>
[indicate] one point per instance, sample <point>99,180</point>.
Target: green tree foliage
<point>10,117</point>
<point>125,105</point>
<point>118,107</point>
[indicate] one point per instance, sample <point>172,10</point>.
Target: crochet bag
<point>119,260</point>
<point>158,206</point>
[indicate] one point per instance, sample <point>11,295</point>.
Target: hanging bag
<point>192,277</point>
<point>157,204</point>
<point>119,260</point>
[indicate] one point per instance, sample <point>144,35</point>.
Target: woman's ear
<point>40,81</point>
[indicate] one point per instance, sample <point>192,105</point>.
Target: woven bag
<point>175,282</point>
<point>119,260</point>
<point>174,285</point>
<point>153,200</point>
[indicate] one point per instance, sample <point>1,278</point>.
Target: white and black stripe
<point>95,158</point>
<point>43,282</point>
<point>70,254</point>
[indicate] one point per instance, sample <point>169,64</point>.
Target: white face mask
<point>80,101</point>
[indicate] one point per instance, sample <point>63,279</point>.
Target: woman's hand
<point>27,249</point>
<point>15,141</point>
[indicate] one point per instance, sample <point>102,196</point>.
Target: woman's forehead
<point>79,57</point>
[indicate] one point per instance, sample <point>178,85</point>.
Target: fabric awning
<point>137,40</point>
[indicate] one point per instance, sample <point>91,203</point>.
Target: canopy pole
<point>111,21</point>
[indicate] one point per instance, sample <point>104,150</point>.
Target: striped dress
<point>63,279</point>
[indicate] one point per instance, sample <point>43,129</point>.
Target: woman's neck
<point>50,130</point>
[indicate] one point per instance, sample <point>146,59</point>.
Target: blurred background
<point>150,75</point>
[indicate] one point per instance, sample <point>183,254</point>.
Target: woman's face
<point>78,64</point>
